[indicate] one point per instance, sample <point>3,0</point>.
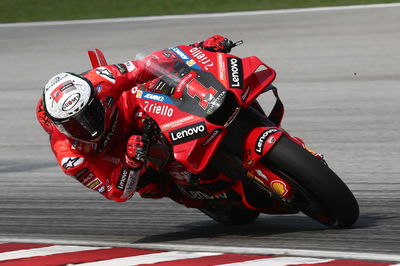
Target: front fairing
<point>246,78</point>
<point>204,102</point>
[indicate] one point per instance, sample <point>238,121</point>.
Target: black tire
<point>232,216</point>
<point>319,192</point>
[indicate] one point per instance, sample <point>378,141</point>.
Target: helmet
<point>70,102</point>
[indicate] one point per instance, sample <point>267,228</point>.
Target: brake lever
<point>237,43</point>
<point>233,44</point>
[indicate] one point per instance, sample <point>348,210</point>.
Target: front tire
<point>318,191</point>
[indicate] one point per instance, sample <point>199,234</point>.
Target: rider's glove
<point>163,85</point>
<point>135,152</point>
<point>216,43</point>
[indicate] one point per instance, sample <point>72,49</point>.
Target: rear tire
<point>318,191</point>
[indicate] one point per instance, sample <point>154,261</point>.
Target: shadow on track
<point>262,227</point>
<point>267,226</point>
<point>371,220</point>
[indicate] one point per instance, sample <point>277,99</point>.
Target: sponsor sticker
<point>235,72</point>
<point>155,108</point>
<point>246,93</point>
<point>262,138</point>
<point>139,94</point>
<point>105,73</point>
<point>71,162</point>
<point>71,101</point>
<point>123,177</point>
<point>187,59</point>
<point>58,93</point>
<point>56,80</point>
<point>81,173</point>
<point>221,67</point>
<point>130,66</point>
<point>213,135</point>
<point>203,196</point>
<point>85,179</point>
<point>279,187</point>
<point>188,133</point>
<point>94,184</point>
<point>167,54</point>
<point>260,173</point>
<point>180,53</point>
<point>134,90</point>
<point>201,58</point>
<point>191,62</point>
<point>153,97</point>
<point>233,116</point>
<point>102,189</point>
<point>182,84</point>
<point>121,68</point>
<point>176,122</point>
<point>131,183</point>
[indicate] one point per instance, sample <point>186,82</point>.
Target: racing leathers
<point>103,166</point>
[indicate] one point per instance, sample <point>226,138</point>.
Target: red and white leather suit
<point>101,166</point>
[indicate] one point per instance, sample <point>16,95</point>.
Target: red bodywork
<point>193,138</point>
<point>195,154</point>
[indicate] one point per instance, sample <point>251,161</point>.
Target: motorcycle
<point>224,155</point>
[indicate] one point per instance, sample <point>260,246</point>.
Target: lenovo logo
<point>235,73</point>
<point>263,137</point>
<point>188,133</point>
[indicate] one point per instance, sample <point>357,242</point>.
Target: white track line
<point>276,251</point>
<point>280,261</point>
<point>45,251</point>
<point>222,249</point>
<point>194,16</point>
<point>149,258</point>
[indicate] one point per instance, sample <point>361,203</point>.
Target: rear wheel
<point>318,191</point>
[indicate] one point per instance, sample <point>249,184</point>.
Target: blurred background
<point>44,10</point>
<point>338,74</point>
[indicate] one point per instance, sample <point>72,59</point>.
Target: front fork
<point>256,145</point>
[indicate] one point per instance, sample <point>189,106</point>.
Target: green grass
<point>44,10</point>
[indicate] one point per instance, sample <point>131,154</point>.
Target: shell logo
<point>191,62</point>
<point>279,187</point>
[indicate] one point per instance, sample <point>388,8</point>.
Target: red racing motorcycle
<point>224,155</point>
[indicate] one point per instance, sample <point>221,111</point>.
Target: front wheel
<point>318,191</point>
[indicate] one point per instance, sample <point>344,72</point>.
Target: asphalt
<point>338,76</point>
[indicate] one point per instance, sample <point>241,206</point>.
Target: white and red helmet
<point>69,101</point>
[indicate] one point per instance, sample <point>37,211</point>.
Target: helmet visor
<point>88,124</point>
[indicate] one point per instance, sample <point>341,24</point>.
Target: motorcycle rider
<point>96,126</point>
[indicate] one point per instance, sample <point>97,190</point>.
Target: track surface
<point>338,75</point>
